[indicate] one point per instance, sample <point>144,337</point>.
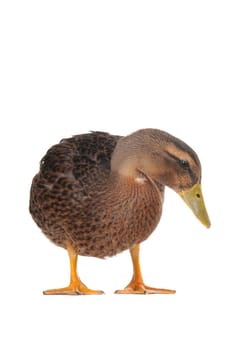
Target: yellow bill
<point>194,199</point>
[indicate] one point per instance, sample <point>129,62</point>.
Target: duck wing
<point>82,157</point>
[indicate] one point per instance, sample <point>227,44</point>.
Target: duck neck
<point>124,159</point>
<point>132,160</point>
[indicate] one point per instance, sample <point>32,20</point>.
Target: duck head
<point>166,160</point>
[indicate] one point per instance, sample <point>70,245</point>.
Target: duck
<point>98,194</point>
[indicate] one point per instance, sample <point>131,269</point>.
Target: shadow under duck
<point>98,194</point>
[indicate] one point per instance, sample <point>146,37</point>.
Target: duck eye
<point>184,163</point>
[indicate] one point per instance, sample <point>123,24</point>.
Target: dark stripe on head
<point>187,168</point>
<point>185,148</point>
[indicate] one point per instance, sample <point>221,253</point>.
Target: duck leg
<point>136,285</point>
<point>76,286</point>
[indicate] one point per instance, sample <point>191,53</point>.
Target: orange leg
<point>136,285</point>
<point>76,286</point>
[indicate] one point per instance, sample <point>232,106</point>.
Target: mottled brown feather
<point>76,202</point>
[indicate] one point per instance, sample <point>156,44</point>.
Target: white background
<point>68,67</point>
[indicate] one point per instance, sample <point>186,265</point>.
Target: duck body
<point>76,200</point>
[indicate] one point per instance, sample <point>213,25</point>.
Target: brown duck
<point>98,194</point>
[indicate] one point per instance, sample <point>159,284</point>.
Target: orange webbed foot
<point>75,288</point>
<point>141,288</point>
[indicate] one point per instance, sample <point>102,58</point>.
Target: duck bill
<point>194,199</point>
